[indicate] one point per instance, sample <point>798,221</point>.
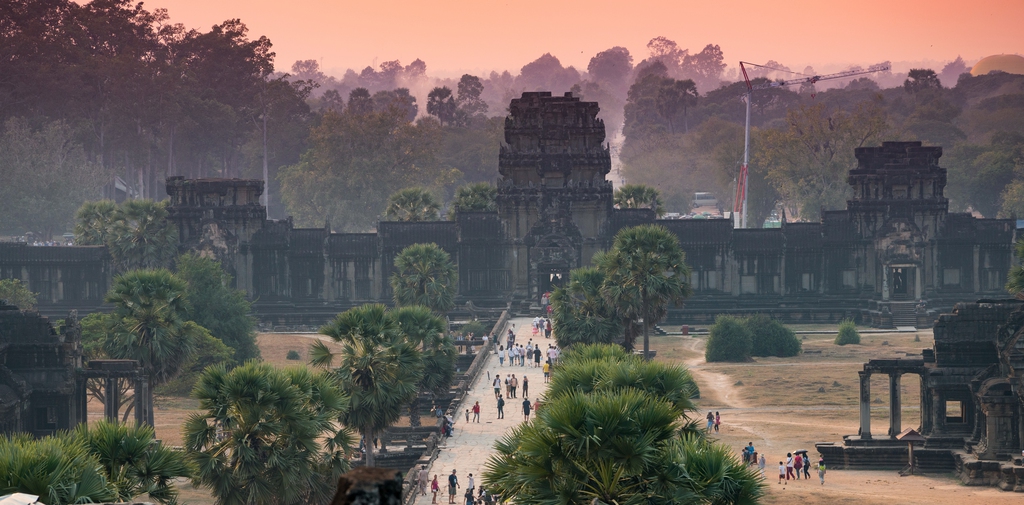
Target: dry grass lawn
<point>778,404</point>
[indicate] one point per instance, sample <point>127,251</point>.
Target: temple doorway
<point>902,282</point>
<point>549,278</point>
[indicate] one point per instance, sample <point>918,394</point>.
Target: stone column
<point>895,409</point>
<point>938,413</point>
<point>111,399</point>
<point>865,404</point>
<point>143,401</point>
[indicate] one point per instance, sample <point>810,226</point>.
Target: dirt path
<point>714,385</point>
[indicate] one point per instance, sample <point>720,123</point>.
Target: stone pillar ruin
<point>865,405</point>
<point>143,401</point>
<point>895,407</point>
<point>111,399</point>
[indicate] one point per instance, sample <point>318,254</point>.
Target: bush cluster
<point>847,333</point>
<point>771,338</point>
<point>729,339</point>
<point>737,339</point>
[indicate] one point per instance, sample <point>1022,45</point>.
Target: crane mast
<point>740,202</point>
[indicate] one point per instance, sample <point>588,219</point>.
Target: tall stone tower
<point>553,198</point>
<point>216,218</point>
<point>898,205</point>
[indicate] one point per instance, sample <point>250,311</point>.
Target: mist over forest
<point>107,99</point>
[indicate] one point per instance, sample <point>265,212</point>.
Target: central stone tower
<point>553,198</point>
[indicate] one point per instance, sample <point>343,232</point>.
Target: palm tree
<point>639,196</point>
<point>137,233</point>
<point>425,275</point>
<point>92,222</point>
<point>582,448</point>
<point>581,314</point>
<point>59,470</point>
<point>378,366</point>
<point>134,463</point>
<point>412,204</point>
<point>266,436</point>
<point>479,197</point>
<point>644,273</point>
<point>426,330</point>
<point>150,322</point>
<point>614,429</point>
<point>141,236</point>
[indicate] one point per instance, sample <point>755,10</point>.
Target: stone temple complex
<point>895,244</point>
<point>896,256</point>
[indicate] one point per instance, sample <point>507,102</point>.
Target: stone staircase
<point>903,314</point>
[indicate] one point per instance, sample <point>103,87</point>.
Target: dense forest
<point>107,99</point>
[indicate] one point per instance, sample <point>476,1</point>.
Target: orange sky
<point>482,35</point>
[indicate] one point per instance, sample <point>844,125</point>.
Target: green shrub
<point>847,333</point>
<point>771,338</point>
<point>728,340</point>
<point>293,355</point>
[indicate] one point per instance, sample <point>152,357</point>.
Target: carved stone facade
<point>895,246</point>
<point>972,401</point>
<point>38,381</point>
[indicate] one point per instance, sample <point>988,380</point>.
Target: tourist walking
<point>821,471</point>
<point>782,472</point>
<point>501,407</point>
<point>453,486</point>
<point>501,355</point>
<point>798,464</point>
<point>424,478</point>
<point>760,465</point>
<point>547,372</point>
<point>435,488</point>
<point>789,466</point>
<point>536,356</point>
<point>497,386</point>
<point>515,384</point>
<point>508,385</point>
<point>526,409</point>
<point>547,328</point>
<point>476,412</point>
<point>718,421</point>
<point>471,486</point>
<point>526,386</point>
<point>711,421</point>
<point>807,467</point>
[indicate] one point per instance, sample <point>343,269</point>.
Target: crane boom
<point>740,202</point>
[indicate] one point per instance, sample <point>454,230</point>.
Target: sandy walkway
<point>471,444</point>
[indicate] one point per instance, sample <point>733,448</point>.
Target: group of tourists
<point>472,495</point>
<point>542,325</point>
<point>511,386</point>
<point>714,421</point>
<point>795,464</point>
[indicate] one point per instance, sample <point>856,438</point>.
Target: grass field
<point>786,404</point>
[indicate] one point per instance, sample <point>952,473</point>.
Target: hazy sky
<point>481,35</point>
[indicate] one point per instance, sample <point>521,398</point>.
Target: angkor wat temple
<point>894,245</point>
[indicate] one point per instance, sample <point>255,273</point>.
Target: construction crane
<point>740,203</point>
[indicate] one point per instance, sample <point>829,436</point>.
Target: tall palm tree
<point>644,273</point>
<point>92,222</point>
<point>639,196</point>
<point>581,314</point>
<point>478,197</point>
<point>266,436</point>
<point>141,236</point>
<point>133,462</point>
<point>412,204</point>
<point>426,330</point>
<point>378,366</point>
<point>425,275</point>
<point>150,322</point>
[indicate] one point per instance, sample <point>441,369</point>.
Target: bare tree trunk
<point>371,460</point>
